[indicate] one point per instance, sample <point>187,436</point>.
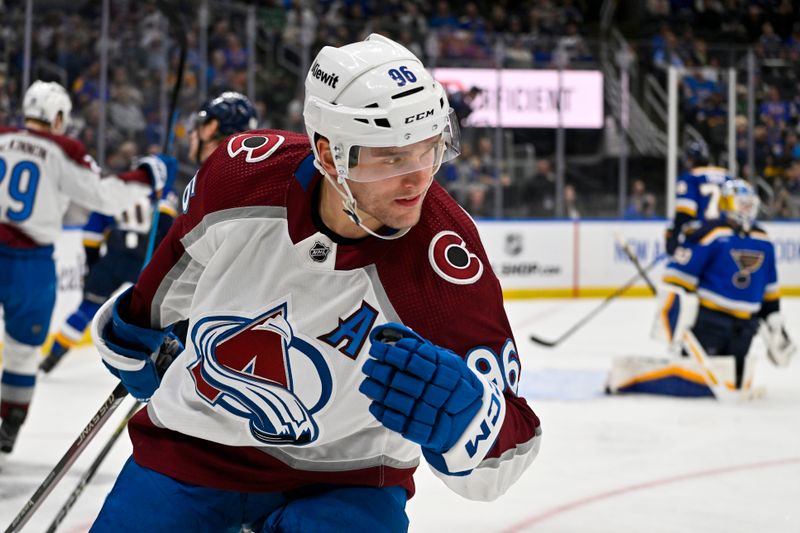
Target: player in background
<point>720,283</point>
<point>41,170</point>
<point>303,398</point>
<point>698,192</point>
<point>227,114</point>
<point>126,235</point>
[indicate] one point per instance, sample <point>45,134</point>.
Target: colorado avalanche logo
<point>245,365</point>
<point>450,259</point>
<point>258,147</point>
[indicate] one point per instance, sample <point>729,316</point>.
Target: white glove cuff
<point>476,441</point>
<point>101,319</point>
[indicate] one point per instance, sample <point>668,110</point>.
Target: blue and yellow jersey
<point>137,218</point>
<point>698,193</point>
<point>731,271</point>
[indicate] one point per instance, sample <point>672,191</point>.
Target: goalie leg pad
<point>665,376</point>
<point>676,312</point>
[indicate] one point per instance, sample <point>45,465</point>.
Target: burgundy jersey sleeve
<point>246,170</point>
<point>453,298</point>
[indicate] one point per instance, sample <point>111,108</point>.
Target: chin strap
<point>351,206</point>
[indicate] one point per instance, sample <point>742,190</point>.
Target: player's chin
<point>404,218</point>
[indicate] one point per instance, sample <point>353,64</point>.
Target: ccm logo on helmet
<point>257,147</point>
<point>328,79</point>
<point>450,259</point>
<point>419,116</point>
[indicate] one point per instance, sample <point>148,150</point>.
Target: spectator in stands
<point>463,103</point>
<point>712,117</point>
<point>668,55</point>
<point>539,191</point>
<point>754,21</point>
<point>489,175</point>
<point>641,204</point>
<point>698,90</point>
<point>443,17</point>
<point>571,202</point>
<point>762,149</point>
<point>775,107</point>
<point>125,111</point>
<point>572,45</point>
<point>787,194</point>
<point>771,44</point>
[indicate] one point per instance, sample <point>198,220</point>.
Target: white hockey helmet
<point>739,202</point>
<point>373,95</point>
<point>44,100</point>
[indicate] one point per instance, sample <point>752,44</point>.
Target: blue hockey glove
<point>137,356</point>
<point>424,392</point>
<point>161,168</point>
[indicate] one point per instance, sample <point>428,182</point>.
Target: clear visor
<point>369,163</point>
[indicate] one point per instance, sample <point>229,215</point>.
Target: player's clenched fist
<point>426,393</point>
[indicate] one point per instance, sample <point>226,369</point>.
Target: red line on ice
<point>569,506</point>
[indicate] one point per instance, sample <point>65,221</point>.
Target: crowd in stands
<point>708,36</point>
<point>533,34</point>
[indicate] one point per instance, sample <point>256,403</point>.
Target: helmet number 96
<point>402,75</point>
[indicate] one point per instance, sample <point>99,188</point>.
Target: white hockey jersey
<point>41,172</point>
<point>265,395</point>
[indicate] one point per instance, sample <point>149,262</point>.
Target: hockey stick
<point>691,344</point>
<point>90,472</point>
<point>177,21</point>
<point>582,322</point>
<point>120,392</point>
<point>55,475</point>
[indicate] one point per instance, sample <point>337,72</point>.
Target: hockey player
<point>295,406</point>
<point>720,283</point>
<point>698,191</point>
<point>41,170</point>
<point>126,235</point>
<point>225,115</point>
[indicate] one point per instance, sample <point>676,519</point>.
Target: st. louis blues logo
<point>245,365</point>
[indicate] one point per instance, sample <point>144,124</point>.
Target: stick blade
<point>543,342</point>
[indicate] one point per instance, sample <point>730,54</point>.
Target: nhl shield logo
<point>244,365</point>
<point>319,252</point>
<point>513,243</point>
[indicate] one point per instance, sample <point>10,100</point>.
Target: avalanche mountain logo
<point>259,370</point>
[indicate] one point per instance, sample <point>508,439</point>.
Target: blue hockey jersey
<point>698,192</point>
<point>128,230</point>
<point>731,271</point>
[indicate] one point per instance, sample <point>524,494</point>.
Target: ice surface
<point>607,464</point>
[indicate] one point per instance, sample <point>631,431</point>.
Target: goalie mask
<point>739,202</point>
<point>44,100</point>
<point>383,114</point>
